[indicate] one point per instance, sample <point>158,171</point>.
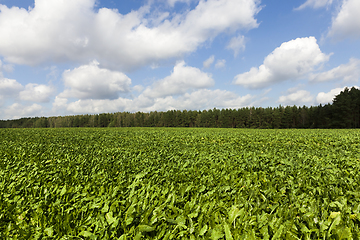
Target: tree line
<point>344,112</point>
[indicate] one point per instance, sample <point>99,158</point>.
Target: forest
<point>343,112</point>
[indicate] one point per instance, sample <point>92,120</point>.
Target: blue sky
<point>85,56</point>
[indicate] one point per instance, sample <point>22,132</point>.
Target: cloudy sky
<point>66,57</point>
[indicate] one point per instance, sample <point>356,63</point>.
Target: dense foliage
<point>137,183</point>
<point>343,113</point>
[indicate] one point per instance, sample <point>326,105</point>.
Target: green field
<point>179,183</point>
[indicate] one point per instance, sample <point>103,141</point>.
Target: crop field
<point>179,183</point>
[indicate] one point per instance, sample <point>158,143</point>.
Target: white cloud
<point>220,63</point>
<point>74,30</point>
<point>59,103</point>
<point>98,106</point>
<point>200,99</point>
<point>207,63</point>
<point>282,65</point>
<point>324,98</point>
<point>328,97</point>
<point>36,93</point>
<point>51,30</point>
<point>206,99</point>
<point>182,79</point>
<point>138,88</point>
<point>186,82</point>
<point>92,82</point>
<point>237,44</point>
<point>296,98</point>
<point>9,87</point>
<point>346,72</point>
<point>315,4</point>
<point>347,22</point>
<point>211,17</point>
<point>18,110</point>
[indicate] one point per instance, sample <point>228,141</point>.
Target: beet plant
<point>179,183</point>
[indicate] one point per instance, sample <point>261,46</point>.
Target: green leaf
<point>334,214</point>
<point>129,220</point>
<point>87,234</point>
<point>324,225</point>
<point>63,191</point>
<point>334,223</point>
<point>202,188</point>
<point>146,228</point>
<point>109,218</point>
<point>228,234</point>
<point>49,231</point>
<point>181,221</point>
<point>216,234</point>
<point>122,237</point>
<point>105,208</point>
<point>344,233</point>
<point>234,213</point>
<point>203,230</point>
<point>140,175</point>
<point>138,236</point>
<point>278,233</point>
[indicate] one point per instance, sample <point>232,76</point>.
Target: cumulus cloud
<point>184,84</point>
<point>9,87</point>
<point>281,65</point>
<point>296,98</point>
<point>345,72</point>
<point>206,99</point>
<point>200,99</point>
<point>92,82</point>
<point>237,44</point>
<point>51,30</point>
<point>182,79</point>
<point>59,103</point>
<point>315,4</point>
<point>347,22</point>
<point>208,62</point>
<point>220,63</point>
<point>36,93</point>
<point>328,97</point>
<point>99,105</point>
<point>185,88</point>
<point>18,110</point>
<point>74,30</point>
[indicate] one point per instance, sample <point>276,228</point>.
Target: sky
<point>71,57</point>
